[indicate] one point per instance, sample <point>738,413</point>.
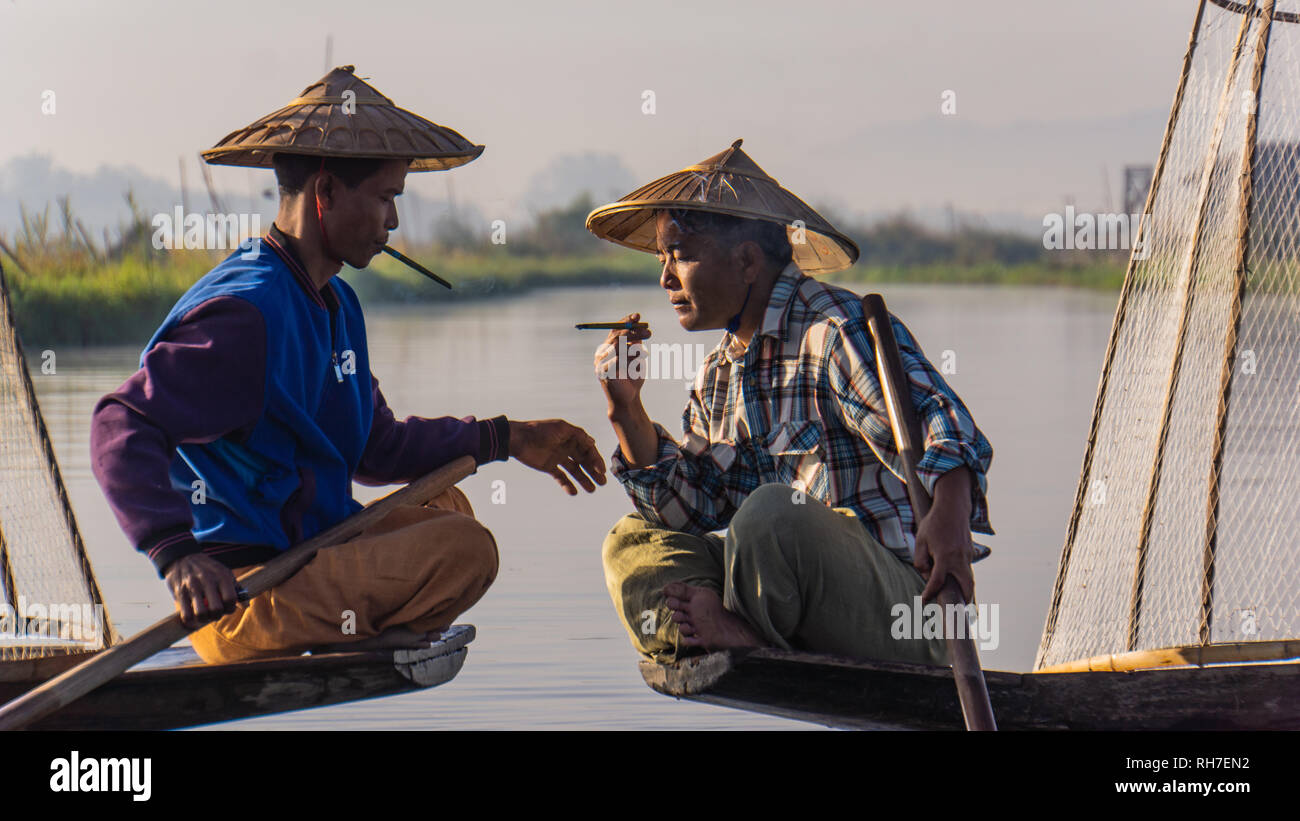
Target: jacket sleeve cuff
<point>165,548</point>
<point>493,440</point>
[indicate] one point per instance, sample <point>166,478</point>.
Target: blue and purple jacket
<point>253,411</point>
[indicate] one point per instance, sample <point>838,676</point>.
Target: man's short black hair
<point>731,231</point>
<point>293,170</point>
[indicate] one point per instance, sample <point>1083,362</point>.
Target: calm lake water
<point>550,652</point>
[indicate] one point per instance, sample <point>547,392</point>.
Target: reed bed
<point>69,287</point>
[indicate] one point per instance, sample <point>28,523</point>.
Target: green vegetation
<point>65,287</point>
<point>68,288</point>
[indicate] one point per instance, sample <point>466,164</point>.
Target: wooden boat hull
<point>860,694</point>
<point>176,689</point>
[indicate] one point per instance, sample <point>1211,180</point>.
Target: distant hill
<point>601,176</point>
<point>1028,166</point>
<point>943,172</point>
<point>97,198</point>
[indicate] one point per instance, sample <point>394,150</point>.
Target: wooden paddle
<point>971,688</point>
<point>108,664</point>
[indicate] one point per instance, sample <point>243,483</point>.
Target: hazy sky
<point>838,101</point>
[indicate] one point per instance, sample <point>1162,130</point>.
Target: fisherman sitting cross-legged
<point>787,442</point>
<point>254,410</point>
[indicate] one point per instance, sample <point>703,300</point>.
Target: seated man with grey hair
<point>787,443</point>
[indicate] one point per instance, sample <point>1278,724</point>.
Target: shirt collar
<point>283,247</point>
<point>775,318</point>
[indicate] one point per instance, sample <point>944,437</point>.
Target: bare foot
<point>392,638</point>
<point>704,622</point>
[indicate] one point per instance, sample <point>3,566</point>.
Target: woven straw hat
<point>726,183</point>
<point>323,121</point>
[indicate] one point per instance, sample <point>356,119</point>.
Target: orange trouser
<point>418,567</point>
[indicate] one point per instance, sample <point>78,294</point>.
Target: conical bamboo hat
<point>324,121</point>
<point>726,183</point>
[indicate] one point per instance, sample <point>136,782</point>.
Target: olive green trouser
<point>806,577</point>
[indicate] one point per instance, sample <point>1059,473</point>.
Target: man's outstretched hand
<point>204,589</point>
<point>554,446</point>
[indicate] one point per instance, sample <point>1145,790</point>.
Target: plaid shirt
<point>802,406</point>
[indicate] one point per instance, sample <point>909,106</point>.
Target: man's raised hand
<point>622,387</point>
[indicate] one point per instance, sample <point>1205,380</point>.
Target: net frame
<point>70,563</point>
<point>1069,640</point>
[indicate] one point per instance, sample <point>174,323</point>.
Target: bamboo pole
<point>1247,182</point>
<point>1191,655</point>
<point>104,666</point>
<point>1175,370</point>
<point>7,575</point>
<point>1117,324</point>
<point>1249,8</point>
<point>218,207</point>
<point>969,678</point>
<point>185,194</point>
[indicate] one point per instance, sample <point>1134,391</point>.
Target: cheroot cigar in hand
<point>611,326</point>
